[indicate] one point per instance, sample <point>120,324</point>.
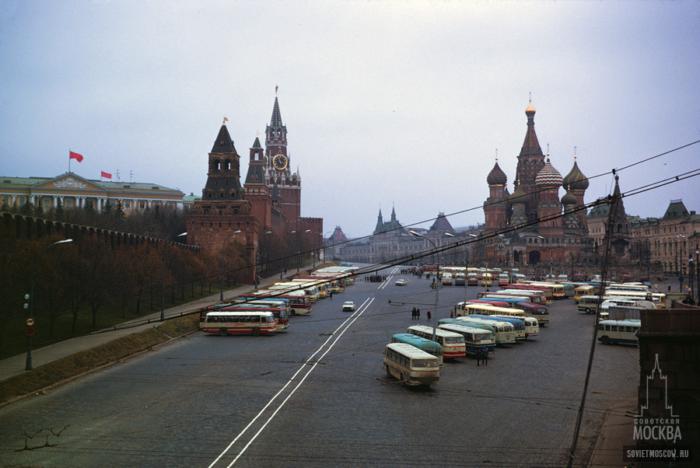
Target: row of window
<point>618,328</point>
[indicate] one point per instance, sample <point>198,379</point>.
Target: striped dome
<point>496,176</point>
<point>548,176</point>
<point>575,179</point>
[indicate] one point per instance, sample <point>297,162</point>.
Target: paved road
<point>190,403</point>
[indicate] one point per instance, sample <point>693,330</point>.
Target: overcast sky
<point>399,103</point>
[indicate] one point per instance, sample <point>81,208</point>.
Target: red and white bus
<point>279,313</point>
<point>239,323</point>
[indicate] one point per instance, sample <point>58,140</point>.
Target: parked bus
<point>518,325</point>
<point>628,287</point>
<point>503,279</point>
<point>659,299</point>
<point>552,290</point>
<point>583,290</point>
<point>486,280</point>
<point>322,285</point>
<point>429,346</point>
<point>472,279</point>
<point>587,304</point>
<point>523,303</point>
<point>618,331</point>
<point>503,332</point>
<point>410,365</point>
<point>239,323</point>
<point>298,302</point>
<point>531,325</point>
<point>474,338</point>
<point>535,296</point>
<point>310,289</point>
<point>280,314</point>
<point>452,343</point>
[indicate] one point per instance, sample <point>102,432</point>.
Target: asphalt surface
<point>318,396</point>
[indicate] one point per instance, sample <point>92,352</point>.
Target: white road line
<point>291,379</point>
<point>272,416</point>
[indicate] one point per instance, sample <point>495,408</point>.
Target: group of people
<point>415,314</point>
<point>482,357</point>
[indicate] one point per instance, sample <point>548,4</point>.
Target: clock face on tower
<point>279,162</point>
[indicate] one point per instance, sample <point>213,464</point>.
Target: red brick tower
<point>577,183</point>
<point>223,217</point>
<point>284,185</point>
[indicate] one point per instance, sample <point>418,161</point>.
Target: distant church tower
<point>284,185</point>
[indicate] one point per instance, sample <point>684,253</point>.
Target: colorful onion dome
<point>497,176</point>
<point>548,176</point>
<point>568,199</point>
<point>575,179</point>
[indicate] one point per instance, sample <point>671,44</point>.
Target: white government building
<point>69,190</point>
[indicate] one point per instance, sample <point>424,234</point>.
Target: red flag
<point>77,156</point>
<point>106,175</point>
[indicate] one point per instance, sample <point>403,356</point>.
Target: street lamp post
<point>438,283</point>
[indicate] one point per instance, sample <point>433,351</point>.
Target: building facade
<point>70,191</point>
<point>669,244</point>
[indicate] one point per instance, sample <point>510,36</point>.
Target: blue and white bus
<point>429,346</point>
<point>474,338</point>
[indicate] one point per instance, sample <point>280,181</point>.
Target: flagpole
<point>69,160</point>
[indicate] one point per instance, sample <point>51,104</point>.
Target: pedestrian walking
<point>478,357</point>
<point>430,316</point>
<point>485,357</point>
<point>418,314</point>
<point>331,294</point>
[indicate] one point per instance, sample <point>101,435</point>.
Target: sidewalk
<point>615,433</point>
<point>14,365</point>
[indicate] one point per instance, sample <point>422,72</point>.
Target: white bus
<point>453,345</point>
<point>618,331</point>
<point>587,304</point>
<point>474,338</point>
<point>504,332</point>
<point>628,287</point>
<point>239,323</point>
<point>532,325</point>
<point>410,365</point>
<point>659,299</point>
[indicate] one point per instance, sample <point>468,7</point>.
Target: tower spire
<point>276,120</point>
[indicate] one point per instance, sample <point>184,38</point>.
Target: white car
<point>401,282</point>
<point>348,306</point>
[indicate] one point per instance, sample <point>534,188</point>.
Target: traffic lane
<point>519,410</point>
<point>176,406</point>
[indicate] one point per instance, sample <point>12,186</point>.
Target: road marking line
<point>245,429</point>
<point>272,416</point>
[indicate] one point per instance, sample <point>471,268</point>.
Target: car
<point>401,282</point>
<point>348,306</point>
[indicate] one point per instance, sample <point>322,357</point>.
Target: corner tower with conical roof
<point>285,185</point>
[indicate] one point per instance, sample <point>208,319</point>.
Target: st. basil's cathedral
<point>556,241</point>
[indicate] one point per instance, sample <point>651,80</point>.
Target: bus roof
<point>626,322</point>
<point>454,327</point>
<point>410,351</point>
<point>491,308</point>
<point>517,322</point>
<point>417,341</point>
<point>438,331</point>
<point>240,314</point>
<point>505,298</point>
